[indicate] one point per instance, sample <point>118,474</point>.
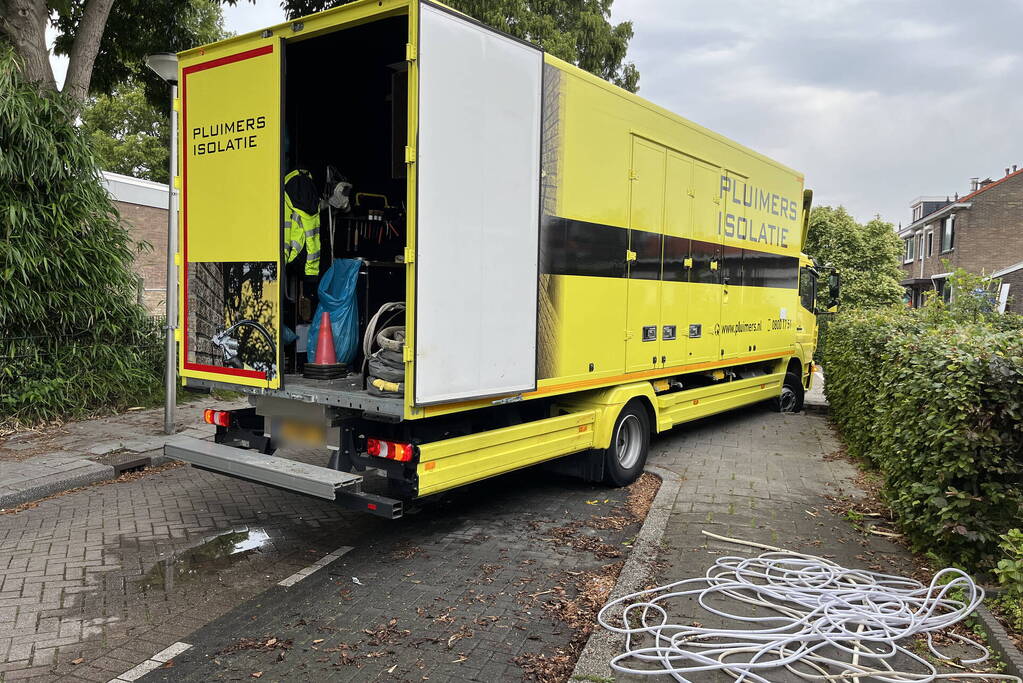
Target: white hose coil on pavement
<point>823,622</point>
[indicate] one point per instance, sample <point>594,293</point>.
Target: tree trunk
<point>86,47</point>
<point>24,24</point>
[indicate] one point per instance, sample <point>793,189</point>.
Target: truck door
<point>703,319</point>
<point>646,224</point>
<point>230,218</point>
<point>678,221</point>
<point>478,210</point>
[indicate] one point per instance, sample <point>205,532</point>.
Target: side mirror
<point>834,289</point>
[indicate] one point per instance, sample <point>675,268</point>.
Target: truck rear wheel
<point>630,441</point>
<point>791,398</point>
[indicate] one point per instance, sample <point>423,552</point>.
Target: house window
<point>948,234</point>
<point>918,213</point>
<point>910,251</point>
<point>930,243</point>
<point>920,250</point>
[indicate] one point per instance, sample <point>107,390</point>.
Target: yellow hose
<point>384,385</point>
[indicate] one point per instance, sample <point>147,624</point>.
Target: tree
<point>129,126</point>
<point>73,337</point>
<point>866,257</point>
<point>578,31</point>
<point>105,41</point>
<point>128,134</point>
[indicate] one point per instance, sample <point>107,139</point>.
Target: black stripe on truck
<point>571,247</point>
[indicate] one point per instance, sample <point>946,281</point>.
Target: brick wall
<point>149,224</point>
<point>205,312</point>
<point>992,237</point>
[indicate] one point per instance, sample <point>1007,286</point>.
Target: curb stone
<point>88,472</point>
<point>1000,642</point>
<point>80,476</point>
<point>602,645</point>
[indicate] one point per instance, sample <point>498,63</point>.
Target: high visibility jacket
<point>302,220</point>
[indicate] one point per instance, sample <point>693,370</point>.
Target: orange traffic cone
<point>324,365</point>
<point>325,342</point>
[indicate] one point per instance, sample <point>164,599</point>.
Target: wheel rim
<point>629,442</point>
<point>787,399</point>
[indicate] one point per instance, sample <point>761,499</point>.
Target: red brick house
<point>981,232</point>
<point>143,208</point>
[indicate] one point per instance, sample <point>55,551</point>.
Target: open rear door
<point>231,213</point>
<point>478,202</point>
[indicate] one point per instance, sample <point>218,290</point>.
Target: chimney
<point>1014,168</point>
<point>974,184</point>
<point>957,196</point>
<point>1006,170</point>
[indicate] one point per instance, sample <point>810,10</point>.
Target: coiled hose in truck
<point>384,364</point>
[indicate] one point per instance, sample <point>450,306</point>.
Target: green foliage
<point>866,256</point>
<point>1010,575</point>
<point>134,29</point>
<point>129,135</point>
<point>72,336</point>
<point>1010,568</point>
<point>578,31</point>
<point>937,405</point>
<point>973,297</point>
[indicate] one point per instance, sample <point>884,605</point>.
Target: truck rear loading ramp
<point>343,488</point>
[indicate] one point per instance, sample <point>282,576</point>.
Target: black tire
<point>790,400</point>
<point>625,458</point>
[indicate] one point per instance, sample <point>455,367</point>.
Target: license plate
<point>303,433</point>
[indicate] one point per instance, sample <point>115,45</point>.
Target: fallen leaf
<point>271,642</point>
<point>78,661</point>
<point>391,670</point>
<point>592,502</point>
<point>461,659</point>
<point>318,641</point>
<point>257,674</point>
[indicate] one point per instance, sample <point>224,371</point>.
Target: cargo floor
<point>345,392</point>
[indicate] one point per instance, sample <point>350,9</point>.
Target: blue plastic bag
<point>337,298</point>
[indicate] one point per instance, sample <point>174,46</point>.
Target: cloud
<point>876,101</point>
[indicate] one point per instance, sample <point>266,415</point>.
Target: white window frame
<point>929,241</point>
<point>910,252</point>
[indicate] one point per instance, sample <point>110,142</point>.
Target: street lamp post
<point>165,65</point>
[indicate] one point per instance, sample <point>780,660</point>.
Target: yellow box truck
<point>536,263</point>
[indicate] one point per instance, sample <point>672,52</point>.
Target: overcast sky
<point>875,101</point>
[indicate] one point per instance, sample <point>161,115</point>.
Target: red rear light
<point>402,452</point>
<point>221,418</point>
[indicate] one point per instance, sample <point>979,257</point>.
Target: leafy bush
<point>1010,575</point>
<point>72,336</point>
<point>936,403</point>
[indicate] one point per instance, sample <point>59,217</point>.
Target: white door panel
<point>478,162</point>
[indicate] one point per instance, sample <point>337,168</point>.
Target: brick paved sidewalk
<point>35,464</point>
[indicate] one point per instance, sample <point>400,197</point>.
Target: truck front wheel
<point>630,441</point>
<point>791,398</point>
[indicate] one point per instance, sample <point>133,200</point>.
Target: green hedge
<point>937,406</point>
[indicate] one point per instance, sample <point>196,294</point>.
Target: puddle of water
<point>220,552</point>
